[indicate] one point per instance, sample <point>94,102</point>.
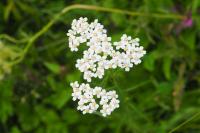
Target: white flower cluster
<point>88,98</point>
<point>102,54</point>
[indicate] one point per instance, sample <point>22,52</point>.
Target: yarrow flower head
<point>87,99</point>
<point>102,54</point>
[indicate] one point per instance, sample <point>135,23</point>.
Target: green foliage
<point>53,67</point>
<point>160,95</point>
<point>6,100</point>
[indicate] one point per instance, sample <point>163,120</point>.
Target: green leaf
<point>27,117</point>
<point>5,111</point>
<point>118,19</point>
<point>70,116</point>
<point>73,77</point>
<point>52,83</point>
<point>26,8</point>
<point>59,98</point>
<point>15,130</point>
<point>59,127</point>
<point>48,116</point>
<point>167,67</point>
<point>189,39</point>
<point>164,87</point>
<point>149,61</point>
<point>6,108</point>
<point>53,67</point>
<point>195,5</point>
<point>8,10</point>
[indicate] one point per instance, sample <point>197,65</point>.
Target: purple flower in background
<point>188,22</point>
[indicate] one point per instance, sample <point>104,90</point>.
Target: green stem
<point>94,8</point>
<point>138,85</point>
<point>11,39</point>
<point>185,122</point>
<point>120,11</point>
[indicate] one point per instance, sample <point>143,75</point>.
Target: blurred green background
<point>162,94</point>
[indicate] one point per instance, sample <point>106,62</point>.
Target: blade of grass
<point>185,122</point>
<point>138,85</point>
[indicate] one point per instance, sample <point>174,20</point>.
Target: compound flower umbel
<point>102,54</point>
<point>87,99</point>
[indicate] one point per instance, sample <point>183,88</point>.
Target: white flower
<point>88,96</point>
<point>102,53</point>
<point>97,91</point>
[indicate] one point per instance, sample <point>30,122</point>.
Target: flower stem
<point>11,39</point>
<point>120,11</point>
<point>94,8</point>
